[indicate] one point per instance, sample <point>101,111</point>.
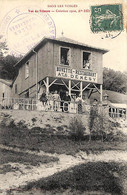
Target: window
<point>86,60</point>
<point>3,95</point>
<point>64,56</point>
<point>16,90</point>
<point>27,70</point>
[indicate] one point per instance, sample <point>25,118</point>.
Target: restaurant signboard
<point>74,74</point>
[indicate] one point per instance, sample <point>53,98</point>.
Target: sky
<point>24,23</point>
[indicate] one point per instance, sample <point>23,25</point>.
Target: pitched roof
<point>71,41</point>
<point>6,82</point>
<point>118,105</point>
<point>113,97</point>
<point>57,40</point>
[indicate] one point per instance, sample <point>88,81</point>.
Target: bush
<point>100,125</point>
<point>77,129</point>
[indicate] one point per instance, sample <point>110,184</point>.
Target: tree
<point>3,51</point>
<point>8,70</point>
<point>3,48</point>
<point>114,80</point>
<point>7,62</point>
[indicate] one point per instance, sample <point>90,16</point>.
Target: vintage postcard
<point>63,97</point>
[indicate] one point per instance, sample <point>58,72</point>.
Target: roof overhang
<point>57,40</point>
<point>6,82</point>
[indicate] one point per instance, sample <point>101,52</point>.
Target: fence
<point>59,106</point>
<point>117,112</point>
<point>50,105</point>
<point>19,103</point>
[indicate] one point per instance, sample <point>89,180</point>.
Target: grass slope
<point>24,158</point>
<point>41,139</point>
<point>94,176</point>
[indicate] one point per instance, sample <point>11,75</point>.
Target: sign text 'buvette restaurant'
<point>75,74</point>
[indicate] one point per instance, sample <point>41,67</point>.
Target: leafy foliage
<point>8,70</point>
<point>3,49</point>
<point>114,80</point>
<point>7,62</point>
<point>77,129</point>
<point>101,127</point>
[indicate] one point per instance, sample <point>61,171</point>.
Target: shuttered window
<point>16,89</point>
<point>27,70</point>
<point>64,56</point>
<point>86,60</point>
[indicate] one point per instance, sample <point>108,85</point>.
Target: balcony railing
<point>31,104</point>
<point>50,105</point>
<point>19,103</point>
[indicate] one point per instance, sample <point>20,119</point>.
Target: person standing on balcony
<point>62,97</point>
<point>79,101</point>
<point>67,100</point>
<point>56,99</point>
<point>43,98</point>
<point>85,104</point>
<point>50,101</point>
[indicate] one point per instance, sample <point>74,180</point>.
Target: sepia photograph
<point>63,97</point>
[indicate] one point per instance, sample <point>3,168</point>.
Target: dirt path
<point>124,130</point>
<point>27,174</point>
<point>15,179</point>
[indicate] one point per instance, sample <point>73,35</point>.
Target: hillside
<point>114,97</point>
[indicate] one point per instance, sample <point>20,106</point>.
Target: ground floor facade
<point>74,88</point>
<point>63,95</point>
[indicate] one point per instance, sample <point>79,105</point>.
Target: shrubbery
<point>101,127</point>
<point>77,129</point>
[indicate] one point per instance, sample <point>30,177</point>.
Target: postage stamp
<point>106,18</point>
<point>23,29</point>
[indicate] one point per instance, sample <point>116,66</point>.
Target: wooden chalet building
<point>58,64</point>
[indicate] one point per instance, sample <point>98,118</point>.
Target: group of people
<point>56,101</point>
<point>62,101</point>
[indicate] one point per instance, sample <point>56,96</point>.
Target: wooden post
<point>36,76</point>
<point>101,93</point>
<point>81,89</point>
<point>111,112</point>
<point>47,85</point>
<point>36,73</point>
<point>31,104</point>
<point>115,112</point>
<point>118,113</point>
<point>69,84</point>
